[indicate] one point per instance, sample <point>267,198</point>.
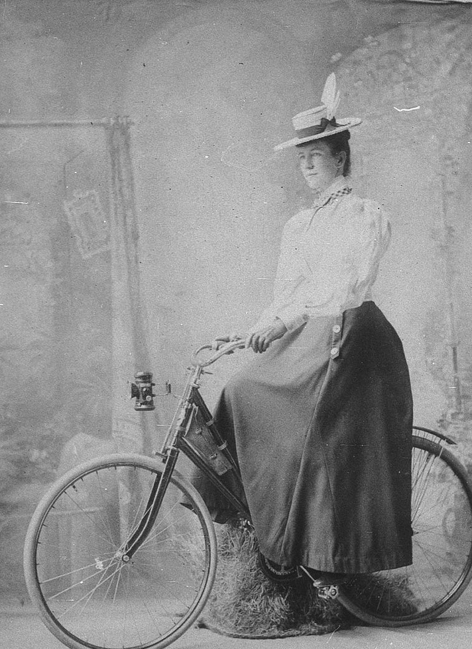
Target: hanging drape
<point>130,353</point>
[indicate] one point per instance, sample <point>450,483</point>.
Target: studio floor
<point>21,629</point>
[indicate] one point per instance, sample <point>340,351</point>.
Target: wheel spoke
<point>74,557</point>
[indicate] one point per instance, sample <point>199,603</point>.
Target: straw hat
<point>320,122</point>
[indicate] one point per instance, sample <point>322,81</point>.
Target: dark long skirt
<point>321,427</point>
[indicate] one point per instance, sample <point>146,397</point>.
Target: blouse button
<point>334,351</point>
<point>336,329</point>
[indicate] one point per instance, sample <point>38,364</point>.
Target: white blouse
<point>329,258</point>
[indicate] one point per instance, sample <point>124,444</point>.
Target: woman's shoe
<point>276,572</point>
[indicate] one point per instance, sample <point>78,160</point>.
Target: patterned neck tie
<point>340,192</point>
<point>324,200</point>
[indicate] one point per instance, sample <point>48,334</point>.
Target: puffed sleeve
<point>375,234</point>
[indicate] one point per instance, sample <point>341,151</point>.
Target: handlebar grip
<point>224,349</point>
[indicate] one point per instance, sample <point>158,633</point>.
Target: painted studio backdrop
<point>142,204</point>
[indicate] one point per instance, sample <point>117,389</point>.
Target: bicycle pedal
<point>327,592</point>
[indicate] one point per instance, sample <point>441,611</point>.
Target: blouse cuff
<point>292,320</point>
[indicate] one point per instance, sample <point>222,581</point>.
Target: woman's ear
<point>341,159</point>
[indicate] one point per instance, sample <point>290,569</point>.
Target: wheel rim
<point>90,596</point>
<point>442,547</point>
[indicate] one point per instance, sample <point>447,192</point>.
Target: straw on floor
<point>245,603</point>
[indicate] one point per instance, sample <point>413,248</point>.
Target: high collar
<point>339,185</point>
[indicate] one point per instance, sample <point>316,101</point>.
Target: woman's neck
<point>317,193</point>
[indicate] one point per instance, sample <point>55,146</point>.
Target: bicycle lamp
<point>141,390</point>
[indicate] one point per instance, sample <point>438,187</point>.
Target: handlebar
<point>227,348</point>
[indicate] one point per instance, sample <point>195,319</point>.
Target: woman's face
<point>319,166</point>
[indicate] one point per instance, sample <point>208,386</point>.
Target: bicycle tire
<point>442,547</point>
<point>86,594</point>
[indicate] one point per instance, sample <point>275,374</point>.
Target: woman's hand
<point>262,339</point>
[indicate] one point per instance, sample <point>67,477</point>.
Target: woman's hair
<point>338,143</point>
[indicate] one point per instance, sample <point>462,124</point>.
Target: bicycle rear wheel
<point>86,594</point>
<point>442,547</point>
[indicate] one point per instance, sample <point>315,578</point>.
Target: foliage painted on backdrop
<point>53,380</point>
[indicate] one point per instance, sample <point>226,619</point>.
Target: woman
<point>321,422</point>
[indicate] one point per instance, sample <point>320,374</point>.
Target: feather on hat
<point>320,122</point>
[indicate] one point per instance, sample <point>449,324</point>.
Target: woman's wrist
<point>280,325</point>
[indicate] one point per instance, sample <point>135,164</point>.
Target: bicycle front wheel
<point>442,547</point>
<point>87,595</point>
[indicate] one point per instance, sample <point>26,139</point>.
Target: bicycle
<point>114,559</point>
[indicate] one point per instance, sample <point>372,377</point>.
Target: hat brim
<point>344,125</point>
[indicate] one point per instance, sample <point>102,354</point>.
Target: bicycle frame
<point>190,403</point>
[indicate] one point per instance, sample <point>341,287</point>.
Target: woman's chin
<point>314,185</point>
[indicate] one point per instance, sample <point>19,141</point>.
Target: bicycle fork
<point>153,505</point>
